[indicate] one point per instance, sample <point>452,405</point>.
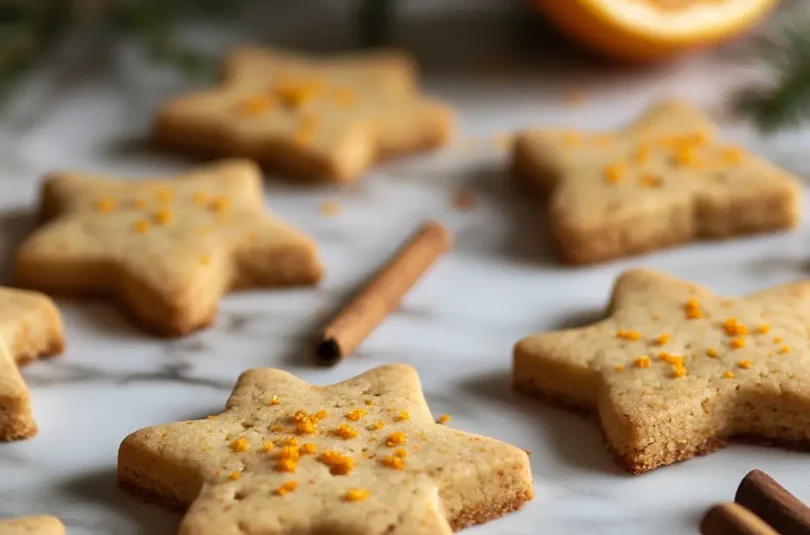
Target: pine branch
<point>375,22</point>
<point>785,102</point>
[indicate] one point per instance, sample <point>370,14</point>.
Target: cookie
<point>676,371</point>
<point>166,249</point>
<point>361,456</point>
<point>664,180</point>
<point>323,119</point>
<point>32,525</point>
<point>30,327</point>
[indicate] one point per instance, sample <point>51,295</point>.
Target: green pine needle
<point>785,102</point>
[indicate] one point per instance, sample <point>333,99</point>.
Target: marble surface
<point>457,327</point>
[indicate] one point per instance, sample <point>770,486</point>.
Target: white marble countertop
<point>457,328</point>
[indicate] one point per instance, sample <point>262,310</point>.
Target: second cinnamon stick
<point>733,519</point>
<point>770,501</point>
<point>383,294</point>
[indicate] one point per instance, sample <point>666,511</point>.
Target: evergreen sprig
<point>785,101</point>
<point>29,28</point>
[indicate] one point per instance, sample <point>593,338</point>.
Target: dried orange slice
<point>647,30</point>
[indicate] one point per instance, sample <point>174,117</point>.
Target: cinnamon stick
<point>774,504</point>
<point>383,294</point>
<point>733,519</point>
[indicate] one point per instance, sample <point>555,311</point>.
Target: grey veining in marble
<point>457,327</point>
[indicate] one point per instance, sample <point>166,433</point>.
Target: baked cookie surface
<point>361,456</point>
<point>30,327</point>
<point>676,371</point>
<point>32,525</point>
<point>168,250</point>
<point>322,119</point>
<point>664,180</point>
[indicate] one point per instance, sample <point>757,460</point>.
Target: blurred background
<point>492,37</point>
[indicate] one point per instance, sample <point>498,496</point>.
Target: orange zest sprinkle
<point>401,452</point>
<point>378,425</point>
<point>642,362</point>
<point>763,329</point>
<point>686,157</point>
<point>274,400</point>
<point>368,402</point>
<point>300,415</point>
<point>255,106</point>
<point>678,371</point>
<point>321,414</point>
<point>286,465</point>
<point>777,339</point>
<point>289,453</point>
<point>444,418</point>
<point>693,310</point>
<point>733,328</point>
<point>392,461</point>
<point>662,339</point>
<point>728,375</point>
<point>614,173</point>
<point>744,364</point>
<point>295,94</point>
<point>784,350</point>
<point>307,427</point>
<point>275,428</point>
<point>163,217</point>
<point>619,368</point>
<point>711,352</point>
<point>395,439</point>
<point>650,181</point>
<point>286,487</point>
<point>234,475</point>
<point>339,465</point>
<point>403,416</point>
<point>291,441</point>
<point>678,368</point>
<point>632,336</point>
<point>737,343</point>
<point>267,446</point>
<point>355,414</point>
<point>141,226</point>
<point>642,155</point>
<point>105,205</point>
<point>356,495</point>
<point>308,449</point>
<point>220,204</point>
<point>345,431</point>
<point>240,445</point>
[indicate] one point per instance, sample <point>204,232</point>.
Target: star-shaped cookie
<point>675,371</point>
<point>32,525</point>
<point>166,249</point>
<point>30,327</point>
<point>323,119</point>
<point>363,456</point>
<point>664,180</point>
